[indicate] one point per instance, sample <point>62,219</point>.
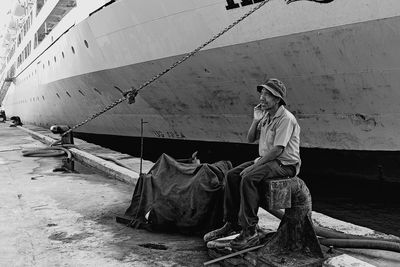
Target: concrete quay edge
<point>110,169</point>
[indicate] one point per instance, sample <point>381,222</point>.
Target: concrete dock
<point>68,219</point>
<point>56,219</point>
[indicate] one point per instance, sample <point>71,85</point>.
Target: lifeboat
<point>5,45</point>
<point>9,35</point>
<point>12,23</point>
<point>19,9</point>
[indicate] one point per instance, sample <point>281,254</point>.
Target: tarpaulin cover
<point>183,197</point>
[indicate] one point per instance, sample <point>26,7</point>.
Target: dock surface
<point>57,219</point>
<point>68,219</point>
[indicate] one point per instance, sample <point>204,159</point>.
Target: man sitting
<point>278,134</point>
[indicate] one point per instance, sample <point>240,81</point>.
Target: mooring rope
<point>133,92</point>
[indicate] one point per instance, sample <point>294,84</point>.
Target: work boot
<point>226,230</point>
<point>248,238</point>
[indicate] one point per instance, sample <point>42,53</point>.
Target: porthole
<point>55,59</point>
<point>58,95</point>
<point>119,89</point>
<point>73,49</point>
<point>48,62</point>
<point>86,44</point>
<point>68,94</point>
<point>62,53</point>
<point>97,91</point>
<point>43,97</point>
<point>81,92</point>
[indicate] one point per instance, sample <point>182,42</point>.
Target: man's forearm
<point>270,155</point>
<point>252,133</point>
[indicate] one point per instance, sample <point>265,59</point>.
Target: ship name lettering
<point>173,134</point>
<point>231,3</point>
<point>159,134</point>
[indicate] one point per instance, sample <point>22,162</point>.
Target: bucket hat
<point>275,87</point>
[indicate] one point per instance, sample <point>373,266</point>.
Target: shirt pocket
<point>270,137</point>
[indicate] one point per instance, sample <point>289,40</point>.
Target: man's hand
<point>258,113</point>
<point>246,170</point>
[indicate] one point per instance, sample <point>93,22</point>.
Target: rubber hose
<point>47,152</point>
<point>119,163</point>
<point>331,234</point>
<point>361,243</point>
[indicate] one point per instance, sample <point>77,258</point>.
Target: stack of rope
<point>55,150</point>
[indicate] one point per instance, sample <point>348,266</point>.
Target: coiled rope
<point>53,151</point>
<point>130,95</point>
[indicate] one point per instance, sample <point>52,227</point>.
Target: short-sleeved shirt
<point>281,130</point>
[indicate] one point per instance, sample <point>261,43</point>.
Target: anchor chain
<point>130,95</point>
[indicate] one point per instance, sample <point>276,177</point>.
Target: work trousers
<point>242,194</point>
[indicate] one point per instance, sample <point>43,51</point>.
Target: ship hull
<point>343,79</point>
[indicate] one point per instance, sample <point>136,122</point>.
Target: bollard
<point>68,164</point>
<point>68,139</point>
<point>295,240</point>
<point>295,243</point>
<point>15,121</point>
<point>2,116</point>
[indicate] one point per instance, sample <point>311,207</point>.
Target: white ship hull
<point>340,61</point>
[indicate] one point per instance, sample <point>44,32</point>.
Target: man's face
<point>268,100</point>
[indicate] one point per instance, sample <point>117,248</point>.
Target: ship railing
<point>49,12</point>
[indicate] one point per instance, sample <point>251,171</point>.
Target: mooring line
<point>130,95</point>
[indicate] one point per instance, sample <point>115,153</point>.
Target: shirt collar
<point>279,112</point>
